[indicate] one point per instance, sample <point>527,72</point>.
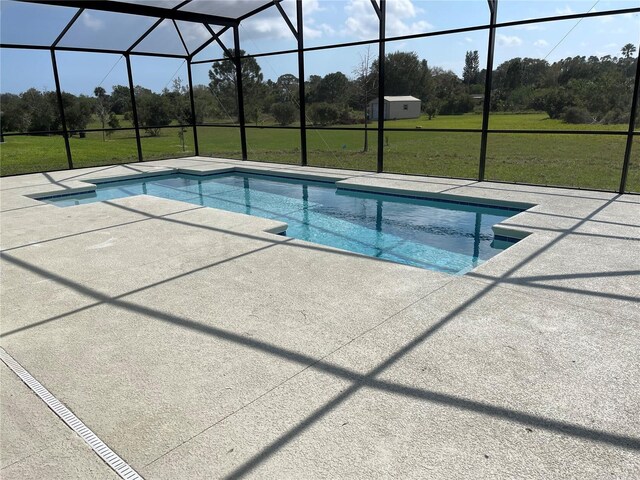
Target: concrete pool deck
<point>196,344</point>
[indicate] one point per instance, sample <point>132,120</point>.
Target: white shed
<point>396,108</point>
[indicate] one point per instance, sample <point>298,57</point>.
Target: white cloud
<point>398,28</point>
<point>362,20</point>
<point>269,24</point>
<point>564,11</point>
<point>310,7</point>
<point>266,29</point>
<point>508,40</point>
<point>317,31</point>
<point>401,18</point>
<point>194,33</point>
<point>541,43</point>
<point>606,19</point>
<point>468,39</point>
<point>92,22</point>
<point>310,32</point>
<point>404,8</point>
<point>327,29</point>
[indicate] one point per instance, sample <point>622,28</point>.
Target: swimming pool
<point>438,235</point>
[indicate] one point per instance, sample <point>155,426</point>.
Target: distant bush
<point>616,116</point>
<point>324,113</point>
<point>31,111</point>
<point>77,110</point>
<point>153,111</point>
<point>457,104</point>
<point>576,115</point>
<point>431,107</point>
<point>284,113</point>
<point>349,117</point>
<point>553,101</point>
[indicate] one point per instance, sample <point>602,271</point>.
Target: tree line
<point>37,111</point>
<point>594,90</point>
<point>590,90</point>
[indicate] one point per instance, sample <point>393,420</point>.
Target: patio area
<point>196,343</point>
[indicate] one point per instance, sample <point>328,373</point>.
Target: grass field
<point>586,161</point>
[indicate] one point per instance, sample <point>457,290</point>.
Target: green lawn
<point>95,122</point>
<point>587,161</point>
<point>499,121</point>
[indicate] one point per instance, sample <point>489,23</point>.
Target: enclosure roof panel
<point>163,39</point>
<point>193,34</point>
<point>225,8</point>
<point>157,3</point>
<point>105,30</point>
<point>216,12</point>
<point>32,24</point>
<point>120,25</point>
<point>213,50</point>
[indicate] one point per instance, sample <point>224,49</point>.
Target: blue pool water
<point>432,234</point>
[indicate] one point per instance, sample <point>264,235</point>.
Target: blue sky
<point>326,22</point>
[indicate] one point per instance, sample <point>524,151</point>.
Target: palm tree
<point>101,109</point>
<point>628,50</point>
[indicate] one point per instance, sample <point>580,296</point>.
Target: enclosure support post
<point>381,61</point>
<point>134,109</point>
<point>301,92</point>
<point>493,7</point>
<point>63,120</point>
<point>236,55</point>
<point>632,126</point>
<point>193,110</point>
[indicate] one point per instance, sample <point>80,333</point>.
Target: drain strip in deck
<point>123,469</point>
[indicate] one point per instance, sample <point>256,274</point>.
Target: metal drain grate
<point>109,456</point>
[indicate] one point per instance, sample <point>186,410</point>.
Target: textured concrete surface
<point>197,344</point>
<point>35,444</point>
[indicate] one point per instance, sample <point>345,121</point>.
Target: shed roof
<point>402,98</point>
